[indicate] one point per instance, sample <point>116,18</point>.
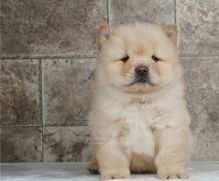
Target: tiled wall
<point>48,55</point>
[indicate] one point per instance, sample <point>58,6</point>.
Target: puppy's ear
<point>171,32</point>
<point>104,34</point>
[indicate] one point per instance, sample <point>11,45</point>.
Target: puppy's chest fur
<point>137,129</point>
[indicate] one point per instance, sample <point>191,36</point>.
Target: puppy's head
<point>138,58</point>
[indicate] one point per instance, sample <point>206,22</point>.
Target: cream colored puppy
<point>139,120</point>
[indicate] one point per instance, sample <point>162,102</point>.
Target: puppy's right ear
<point>104,34</point>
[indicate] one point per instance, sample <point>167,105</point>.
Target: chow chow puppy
<point>139,119</point>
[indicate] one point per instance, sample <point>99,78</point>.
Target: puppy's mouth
<point>141,81</point>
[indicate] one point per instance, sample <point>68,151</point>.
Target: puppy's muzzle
<point>141,74</point>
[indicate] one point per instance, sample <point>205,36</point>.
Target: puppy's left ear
<point>104,34</point>
<point>171,32</point>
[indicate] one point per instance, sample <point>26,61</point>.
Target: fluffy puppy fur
<point>139,119</point>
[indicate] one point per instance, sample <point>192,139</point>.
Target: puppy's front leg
<point>174,149</point>
<point>113,163</point>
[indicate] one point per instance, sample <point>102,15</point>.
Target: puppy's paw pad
<point>115,174</point>
<point>172,175</point>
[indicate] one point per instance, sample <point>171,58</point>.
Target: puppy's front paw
<point>172,173</point>
<point>115,174</point>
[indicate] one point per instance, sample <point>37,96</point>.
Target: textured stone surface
<point>66,143</point>
<point>66,90</point>
<point>198,27</point>
<point>203,100</point>
<point>20,92</point>
<point>50,27</point>
<point>21,144</point>
<point>153,11</point>
<point>67,28</point>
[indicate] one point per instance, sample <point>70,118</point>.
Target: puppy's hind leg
<point>142,164</point>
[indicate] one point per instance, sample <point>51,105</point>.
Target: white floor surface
<point>198,171</point>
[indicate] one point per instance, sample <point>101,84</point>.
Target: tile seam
<point>175,12</point>
<point>39,126</point>
<point>199,57</point>
<point>44,57</point>
<point>108,12</point>
<point>31,58</point>
<point>41,108</point>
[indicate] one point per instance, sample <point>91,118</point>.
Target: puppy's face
<point>139,58</point>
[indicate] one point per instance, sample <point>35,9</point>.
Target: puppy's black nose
<point>141,70</point>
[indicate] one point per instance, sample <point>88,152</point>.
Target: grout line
<point>11,126</point>
<point>32,58</point>
<point>178,32</point>
<point>80,57</point>
<point>41,105</point>
<point>185,56</point>
<point>108,11</point>
<point>67,126</point>
<point>40,126</point>
<point>175,11</point>
<point>45,57</point>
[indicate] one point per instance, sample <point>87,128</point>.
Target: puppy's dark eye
<point>156,59</point>
<point>125,59</point>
